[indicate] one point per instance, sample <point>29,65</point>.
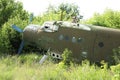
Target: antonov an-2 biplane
<point>85,41</point>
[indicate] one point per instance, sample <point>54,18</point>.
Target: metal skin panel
<point>30,33</point>
<point>95,44</point>
<point>77,47</point>
<point>107,39</point>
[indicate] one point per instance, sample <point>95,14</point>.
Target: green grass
<point>27,67</point>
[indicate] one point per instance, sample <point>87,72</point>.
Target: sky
<point>87,7</point>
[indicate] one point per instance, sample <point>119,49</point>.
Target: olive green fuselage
<point>95,44</point>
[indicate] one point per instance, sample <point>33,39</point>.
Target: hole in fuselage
<point>46,27</point>
<point>57,56</point>
<point>53,54</point>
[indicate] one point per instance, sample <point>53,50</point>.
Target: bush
<point>10,9</point>
<point>67,57</point>
<point>109,18</point>
<point>116,72</point>
<point>11,13</point>
<point>116,56</point>
<point>9,38</point>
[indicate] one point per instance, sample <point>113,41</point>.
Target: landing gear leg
<point>44,57</point>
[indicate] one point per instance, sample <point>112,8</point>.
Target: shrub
<point>116,72</point>
<point>9,38</point>
<point>67,57</point>
<point>109,18</point>
<point>116,56</point>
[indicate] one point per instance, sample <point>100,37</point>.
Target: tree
<point>109,18</point>
<point>68,10</point>
<point>112,18</point>
<point>9,38</point>
<point>97,19</point>
<point>10,9</point>
<point>67,57</point>
<point>11,12</point>
<point>61,12</point>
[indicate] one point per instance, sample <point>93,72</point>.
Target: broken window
<point>50,27</point>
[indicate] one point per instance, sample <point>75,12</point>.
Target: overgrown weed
<point>12,68</point>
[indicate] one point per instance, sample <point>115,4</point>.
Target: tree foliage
<point>67,57</point>
<point>109,18</point>
<point>116,56</point>
<point>10,9</point>
<point>9,38</point>
<point>68,11</point>
<point>62,12</point>
<point>11,12</point>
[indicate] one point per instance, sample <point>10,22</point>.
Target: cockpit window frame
<point>50,27</point>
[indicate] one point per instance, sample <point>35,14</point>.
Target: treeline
<point>109,18</point>
<point>12,12</point>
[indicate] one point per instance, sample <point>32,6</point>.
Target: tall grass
<point>27,67</point>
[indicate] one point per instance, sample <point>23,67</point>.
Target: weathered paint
<point>92,42</point>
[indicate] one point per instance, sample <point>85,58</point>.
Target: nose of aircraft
<point>30,33</point>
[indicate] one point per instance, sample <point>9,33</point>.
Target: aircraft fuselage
<point>92,43</point>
